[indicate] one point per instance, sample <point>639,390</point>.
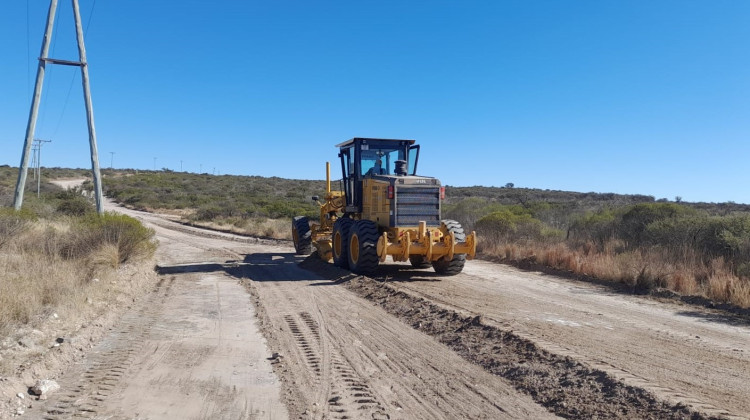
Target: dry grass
<point>41,282</point>
<point>644,267</point>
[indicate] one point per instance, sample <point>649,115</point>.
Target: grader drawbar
<point>384,209</point>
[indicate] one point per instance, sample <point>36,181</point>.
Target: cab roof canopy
<point>367,139</point>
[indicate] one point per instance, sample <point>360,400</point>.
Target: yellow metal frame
<point>433,244</point>
<point>400,243</point>
<point>321,232</point>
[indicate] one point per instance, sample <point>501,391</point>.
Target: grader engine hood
<point>414,199</point>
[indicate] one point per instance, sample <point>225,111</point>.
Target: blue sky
<point>643,97</point>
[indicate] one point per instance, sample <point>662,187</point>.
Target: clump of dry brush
<point>48,264</point>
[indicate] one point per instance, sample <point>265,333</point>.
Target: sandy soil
<point>342,357</point>
<point>682,354</point>
<point>191,349</point>
<point>243,328</point>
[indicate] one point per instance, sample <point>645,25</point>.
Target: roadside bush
<point>469,210</point>
<point>635,220</point>
<point>727,237</point>
<point>13,223</point>
<point>206,213</point>
<point>507,226</point>
<point>75,206</point>
<point>127,234</point>
<point>597,227</point>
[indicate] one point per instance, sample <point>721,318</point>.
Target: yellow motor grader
<point>385,209</point>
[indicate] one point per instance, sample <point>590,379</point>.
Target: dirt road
<point>192,349</point>
<point>680,353</point>
<point>238,329</point>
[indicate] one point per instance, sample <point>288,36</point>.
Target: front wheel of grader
<point>301,235</point>
<point>363,247</point>
<point>456,265</point>
<point>419,261</point>
<point>340,241</point>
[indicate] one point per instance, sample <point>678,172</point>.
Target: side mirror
<point>315,198</point>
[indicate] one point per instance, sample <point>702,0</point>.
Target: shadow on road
<point>190,268</point>
<point>281,266</point>
<point>256,267</point>
<point>272,266</point>
<point>404,273</point>
<point>717,317</point>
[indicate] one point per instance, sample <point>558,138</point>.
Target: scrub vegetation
<point>244,204</point>
<point>689,248</point>
<point>643,242</point>
<point>58,256</point>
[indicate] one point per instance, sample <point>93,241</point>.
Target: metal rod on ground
<point>31,126</point>
<point>89,109</point>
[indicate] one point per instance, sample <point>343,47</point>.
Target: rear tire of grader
<point>363,247</point>
<point>456,265</point>
<point>301,235</point>
<point>340,242</point>
<point>419,261</point>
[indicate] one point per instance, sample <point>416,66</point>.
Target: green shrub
<point>75,206</point>
<point>635,220</point>
<point>598,227</point>
<point>207,213</point>
<point>127,234</point>
<point>469,210</point>
<point>506,225</point>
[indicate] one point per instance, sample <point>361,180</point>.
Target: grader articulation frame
<point>385,209</point>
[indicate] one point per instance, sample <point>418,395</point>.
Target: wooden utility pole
<point>89,109</point>
<point>31,126</point>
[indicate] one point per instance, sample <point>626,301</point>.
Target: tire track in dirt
<point>671,395</point>
<point>342,394</point>
<point>341,357</point>
<point>90,388</point>
<point>681,354</point>
<point>565,386</point>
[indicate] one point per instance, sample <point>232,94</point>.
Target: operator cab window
<point>379,161</point>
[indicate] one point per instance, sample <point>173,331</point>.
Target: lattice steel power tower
<point>31,127</point>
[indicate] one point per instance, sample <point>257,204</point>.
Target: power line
<point>88,22</point>
<point>65,104</point>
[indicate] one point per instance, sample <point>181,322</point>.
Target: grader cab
<point>385,209</point>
